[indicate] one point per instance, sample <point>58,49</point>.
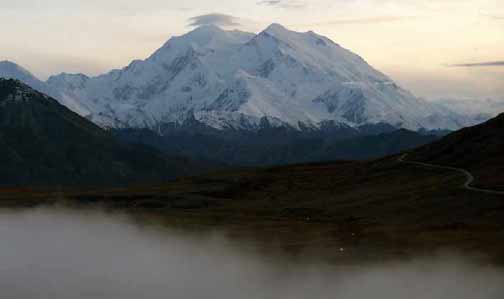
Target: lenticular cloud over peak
<point>215,19</point>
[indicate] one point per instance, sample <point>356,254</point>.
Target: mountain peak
<point>7,63</point>
<point>206,36</point>
<point>213,31</point>
<point>285,75</point>
<point>206,30</point>
<point>8,68</point>
<point>276,28</point>
<point>11,70</point>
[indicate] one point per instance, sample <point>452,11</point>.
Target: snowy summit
<point>234,79</point>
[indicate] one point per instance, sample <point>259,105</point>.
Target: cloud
<point>479,64</point>
<point>216,19</point>
<point>289,4</point>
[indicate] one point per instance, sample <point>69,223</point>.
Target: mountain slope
<point>232,79</point>
<point>44,143</point>
<point>375,146</point>
<point>10,70</point>
<point>479,149</point>
<point>478,109</point>
<point>277,145</point>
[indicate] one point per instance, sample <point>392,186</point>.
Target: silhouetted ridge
<point>44,143</point>
<point>479,149</point>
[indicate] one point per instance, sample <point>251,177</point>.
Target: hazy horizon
<point>434,48</point>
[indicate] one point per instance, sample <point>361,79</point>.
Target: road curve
<point>466,173</point>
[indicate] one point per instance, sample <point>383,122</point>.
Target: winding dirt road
<point>466,173</point>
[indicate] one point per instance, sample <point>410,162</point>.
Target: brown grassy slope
<point>374,207</point>
<point>479,149</point>
<point>383,192</point>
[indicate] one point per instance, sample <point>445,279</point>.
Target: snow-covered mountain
<point>479,109</point>
<point>10,70</point>
<point>233,79</point>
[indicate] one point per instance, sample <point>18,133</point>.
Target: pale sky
<point>435,48</point>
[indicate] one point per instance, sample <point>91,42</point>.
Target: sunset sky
<point>436,48</point>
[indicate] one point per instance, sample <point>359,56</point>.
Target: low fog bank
<point>63,254</point>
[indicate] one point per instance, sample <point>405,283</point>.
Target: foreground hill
<point>44,143</point>
<point>479,149</point>
<point>369,209</point>
<point>373,209</point>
